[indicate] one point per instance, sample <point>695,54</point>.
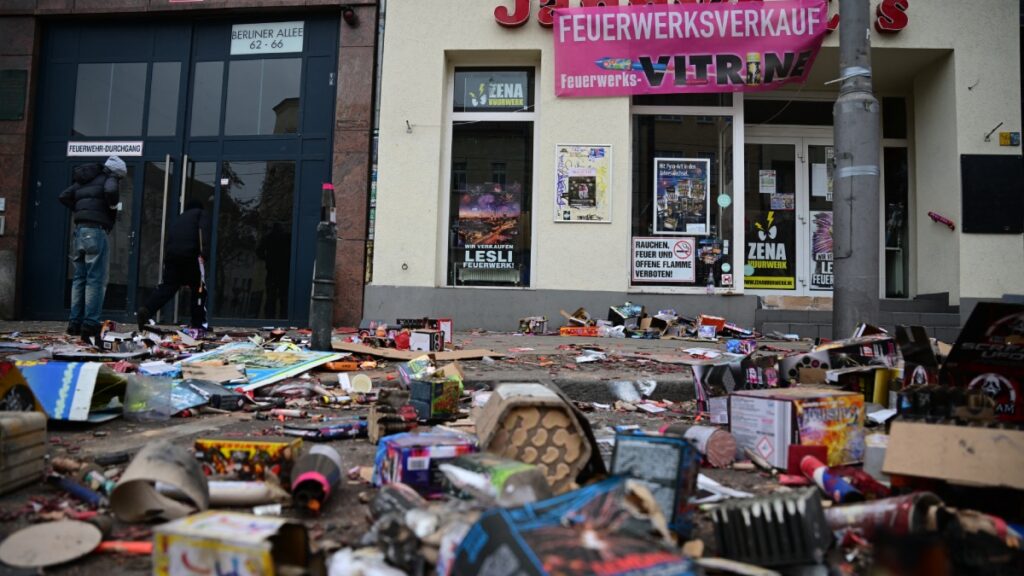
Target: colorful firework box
<point>989,356</point>
<point>667,466</point>
<point>586,532</point>
<point>414,459</point>
<point>248,459</point>
<point>232,543</point>
<point>769,421</point>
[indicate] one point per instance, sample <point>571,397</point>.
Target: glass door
<point>817,218</point>
<point>770,216</point>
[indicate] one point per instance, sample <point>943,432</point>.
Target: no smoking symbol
<point>682,250</point>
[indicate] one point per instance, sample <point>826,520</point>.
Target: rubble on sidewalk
<point>247,449</point>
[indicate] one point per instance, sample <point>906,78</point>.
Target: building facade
<point>248,107</point>
<point>500,196</point>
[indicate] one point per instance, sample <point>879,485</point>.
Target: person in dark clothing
<point>186,250</point>
<point>94,198</point>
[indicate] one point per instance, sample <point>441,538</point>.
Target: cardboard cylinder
<point>135,498</point>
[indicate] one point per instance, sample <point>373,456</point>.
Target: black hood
<point>85,173</point>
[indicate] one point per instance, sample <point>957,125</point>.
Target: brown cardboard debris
<point>49,544</point>
<point>957,454</point>
<point>393,354</point>
<point>218,373</point>
<point>135,498</point>
<point>532,424</point>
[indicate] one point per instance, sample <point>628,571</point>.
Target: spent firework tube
<point>314,477</point>
<point>838,490</point>
<point>715,444</point>
<point>897,516</point>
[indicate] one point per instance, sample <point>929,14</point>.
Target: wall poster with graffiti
<point>821,250</point>
<point>682,196</point>
<point>583,183</point>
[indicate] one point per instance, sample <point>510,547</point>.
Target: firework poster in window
<point>583,183</point>
<point>488,227</point>
<point>771,251</point>
<point>821,250</point>
<point>682,196</point>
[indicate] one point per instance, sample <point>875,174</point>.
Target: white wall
<point>950,119</point>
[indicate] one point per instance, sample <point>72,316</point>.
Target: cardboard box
<point>966,455</point>
<point>445,325</point>
<point>413,458</point>
<point>769,421</point>
<point>436,399</point>
<point>586,331</point>
<point>668,467</point>
<point>545,538</point>
<point>989,356</point>
<point>873,349</point>
<point>240,459</point>
<point>426,340</point>
<point>232,543</point>
<point>23,449</point>
<point>533,424</point>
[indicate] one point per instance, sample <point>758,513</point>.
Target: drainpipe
<point>855,203</point>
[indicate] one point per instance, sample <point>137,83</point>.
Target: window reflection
<point>263,97</point>
<point>163,99</point>
<point>209,83</point>
<point>254,239</point>
<point>109,99</point>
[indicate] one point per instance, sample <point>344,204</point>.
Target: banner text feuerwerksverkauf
<point>675,48</point>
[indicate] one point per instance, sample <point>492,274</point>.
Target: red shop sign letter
<point>891,15</point>
<point>517,18</point>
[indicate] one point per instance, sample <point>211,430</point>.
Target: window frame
<point>738,239</point>
<point>444,185</point>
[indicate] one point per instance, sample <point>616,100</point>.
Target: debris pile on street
<point>686,446</point>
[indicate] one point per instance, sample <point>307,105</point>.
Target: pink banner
<point>676,48</point>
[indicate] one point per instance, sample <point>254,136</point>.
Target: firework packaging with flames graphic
<point>989,356</point>
<point>604,529</point>
<point>769,421</point>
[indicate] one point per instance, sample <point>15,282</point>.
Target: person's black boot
<point>91,334</point>
<point>143,316</point>
<point>74,329</point>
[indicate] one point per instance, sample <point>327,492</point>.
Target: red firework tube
<point>897,516</point>
<point>288,413</point>
<point>838,490</point>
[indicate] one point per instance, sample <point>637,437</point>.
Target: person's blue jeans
<point>90,258</point>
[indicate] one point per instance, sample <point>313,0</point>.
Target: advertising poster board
<point>685,47</point>
<point>664,260</point>
<point>771,251</point>
<point>682,196</point>
<point>821,250</point>
<point>583,183</point>
<point>488,229</point>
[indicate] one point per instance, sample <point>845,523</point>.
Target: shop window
<point>894,118</point>
<point>791,112</point>
<point>682,221</point>
<point>489,218</point>
<point>263,97</point>
<point>163,99</point>
<point>206,96</point>
<point>109,99</point>
<point>490,201</point>
<point>897,234</point>
<point>254,239</point>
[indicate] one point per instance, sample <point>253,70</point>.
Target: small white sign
<point>104,149</point>
<point>267,38</point>
<point>663,259</point>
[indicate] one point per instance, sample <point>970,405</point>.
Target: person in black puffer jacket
<point>93,197</point>
<point>186,249</point>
